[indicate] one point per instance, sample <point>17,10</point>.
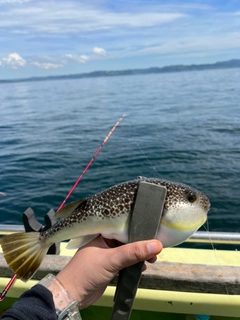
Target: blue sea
<point>183,127</point>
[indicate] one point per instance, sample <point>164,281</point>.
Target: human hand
<point>91,269</point>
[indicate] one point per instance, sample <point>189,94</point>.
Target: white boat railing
<point>230,238</point>
<point>11,228</point>
<point>215,237</point>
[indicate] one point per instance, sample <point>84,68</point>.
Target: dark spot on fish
<point>106,212</point>
<point>113,212</point>
<point>121,207</point>
<point>170,302</point>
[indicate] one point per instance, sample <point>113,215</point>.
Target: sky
<point>54,37</point>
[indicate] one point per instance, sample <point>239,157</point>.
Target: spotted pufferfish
<point>107,213</point>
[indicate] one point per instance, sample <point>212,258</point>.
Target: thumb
<point>129,254</point>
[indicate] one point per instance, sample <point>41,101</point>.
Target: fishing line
<point>214,250</point>
<point>149,162</point>
<point>14,277</point>
<point>143,153</point>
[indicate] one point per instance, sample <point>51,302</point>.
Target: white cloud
<point>14,60</point>
<point>74,17</point>
<point>69,56</point>
<point>202,43</point>
<point>47,65</point>
<point>82,58</point>
<point>99,51</point>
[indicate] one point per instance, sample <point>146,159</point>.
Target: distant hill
<point>234,63</point>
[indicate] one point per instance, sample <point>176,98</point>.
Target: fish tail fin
<point>24,253</point>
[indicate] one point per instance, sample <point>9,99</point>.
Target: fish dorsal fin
<point>68,209</point>
<point>81,241</point>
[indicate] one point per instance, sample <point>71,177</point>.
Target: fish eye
<point>192,198</point>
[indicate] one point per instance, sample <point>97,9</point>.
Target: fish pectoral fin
<point>81,241</point>
<point>68,209</point>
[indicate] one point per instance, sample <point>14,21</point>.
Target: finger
<point>152,260</point>
<point>144,268</point>
<point>132,253</point>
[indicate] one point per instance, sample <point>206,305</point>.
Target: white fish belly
<point>117,228</point>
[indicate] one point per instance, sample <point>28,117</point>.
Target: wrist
<point>66,307</point>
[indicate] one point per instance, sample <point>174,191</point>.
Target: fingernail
<point>154,247</point>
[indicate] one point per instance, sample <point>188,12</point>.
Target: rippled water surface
<point>179,126</point>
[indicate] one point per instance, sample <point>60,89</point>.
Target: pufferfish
<point>107,213</point>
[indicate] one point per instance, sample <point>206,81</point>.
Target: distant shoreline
<point>234,63</point>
